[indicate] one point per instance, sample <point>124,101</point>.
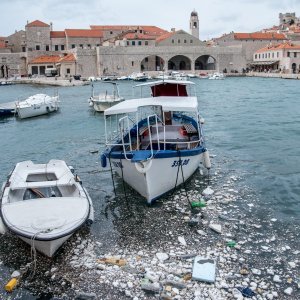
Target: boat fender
<point>144,166</point>
<point>91,217</point>
<point>103,161</point>
<point>206,160</point>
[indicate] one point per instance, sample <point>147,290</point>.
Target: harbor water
<point>252,129</point>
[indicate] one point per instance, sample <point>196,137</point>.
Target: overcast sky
<point>216,16</point>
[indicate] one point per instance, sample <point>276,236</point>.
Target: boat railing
<point>124,127</point>
<point>150,132</point>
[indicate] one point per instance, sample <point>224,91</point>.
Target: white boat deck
<point>8,105</point>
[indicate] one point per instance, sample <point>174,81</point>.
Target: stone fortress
<point>104,50</point>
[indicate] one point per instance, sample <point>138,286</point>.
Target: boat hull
<point>150,183</point>
<point>33,111</point>
<point>101,106</point>
<point>46,247</point>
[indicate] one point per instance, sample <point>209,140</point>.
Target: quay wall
<point>273,75</point>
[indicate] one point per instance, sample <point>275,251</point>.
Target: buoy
<point>11,284</point>
<point>144,166</point>
<point>103,161</point>
<point>206,160</point>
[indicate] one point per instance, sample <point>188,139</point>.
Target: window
<point>81,46</point>
<point>255,56</point>
<point>23,49</point>
<point>146,59</point>
<point>132,63</point>
<point>89,46</point>
<point>258,55</point>
<point>146,43</point>
<point>47,48</point>
<point>172,41</point>
<point>56,47</point>
<point>178,41</point>
<point>277,54</point>
<point>139,43</point>
<point>141,31</point>
<point>191,41</point>
<point>111,32</point>
<point>184,41</point>
<point>133,43</point>
<point>62,47</point>
<point>50,66</point>
<point>37,47</point>
<point>127,43</point>
<point>288,54</point>
<point>295,54</point>
<point>273,55</point>
<point>68,71</point>
<point>73,46</point>
<point>269,55</point>
<point>98,45</point>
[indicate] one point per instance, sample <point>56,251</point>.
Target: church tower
<point>194,24</point>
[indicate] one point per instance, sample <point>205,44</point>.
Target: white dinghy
<point>36,105</point>
<point>107,99</point>
<point>44,204</point>
<point>156,143</point>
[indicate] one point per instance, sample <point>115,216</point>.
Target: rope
<point>111,173</point>
<point>183,181</point>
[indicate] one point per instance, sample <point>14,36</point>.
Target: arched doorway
<point>3,71</point>
<point>152,63</point>
<point>179,62</point>
<point>294,67</point>
<point>205,62</point>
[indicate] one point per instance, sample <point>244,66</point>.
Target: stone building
<point>194,24</point>
<point>284,57</point>
<point>250,42</point>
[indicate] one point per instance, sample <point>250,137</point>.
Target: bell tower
<point>194,24</point>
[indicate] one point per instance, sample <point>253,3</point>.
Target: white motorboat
<point>37,105</point>
<point>139,77</point>
<point>110,97</point>
<point>156,143</point>
<point>217,76</point>
<point>203,76</point>
<point>44,204</point>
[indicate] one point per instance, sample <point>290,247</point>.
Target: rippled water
<point>252,129</point>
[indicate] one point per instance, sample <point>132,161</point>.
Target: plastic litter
<point>231,244</point>
<point>9,287</point>
<point>200,204</point>
<point>204,269</point>
<point>246,292</point>
<point>112,261</point>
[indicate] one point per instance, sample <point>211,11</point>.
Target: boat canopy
<point>167,103</point>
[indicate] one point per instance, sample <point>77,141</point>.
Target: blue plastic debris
<point>246,292</point>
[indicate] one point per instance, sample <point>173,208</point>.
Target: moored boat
<point>158,143</point>
<point>44,204</point>
<point>104,100</point>
<point>217,76</point>
<point>36,105</point>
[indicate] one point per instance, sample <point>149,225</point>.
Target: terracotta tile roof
<point>259,36</point>
<point>165,36</point>
<point>37,23</point>
<point>284,46</point>
<point>151,30</point>
<point>45,59</point>
<point>57,34</point>
<point>138,36</point>
<point>68,58</point>
<point>83,33</point>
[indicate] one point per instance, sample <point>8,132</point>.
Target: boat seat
<point>189,128</point>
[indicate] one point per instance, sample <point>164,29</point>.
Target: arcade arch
<point>205,62</point>
<point>152,63</point>
<point>3,71</point>
<point>179,62</point>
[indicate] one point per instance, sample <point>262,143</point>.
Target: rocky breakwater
<point>155,250</point>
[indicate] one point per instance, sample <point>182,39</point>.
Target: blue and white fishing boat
<point>156,142</point>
